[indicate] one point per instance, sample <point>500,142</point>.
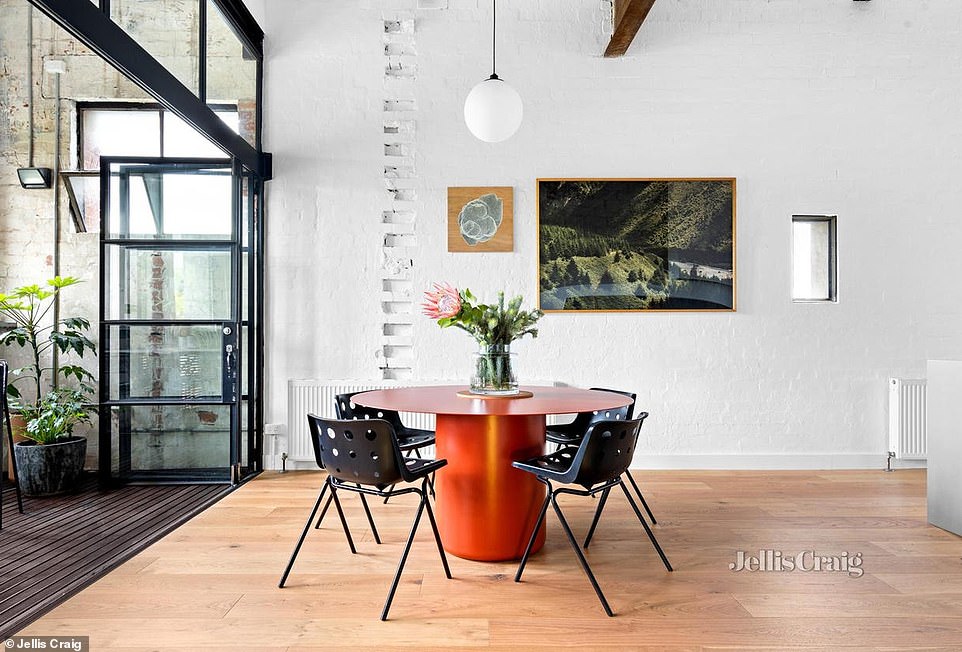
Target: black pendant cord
<point>494,43</point>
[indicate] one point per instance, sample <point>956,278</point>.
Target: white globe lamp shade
<point>493,110</point>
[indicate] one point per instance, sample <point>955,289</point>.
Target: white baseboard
<point>784,462</point>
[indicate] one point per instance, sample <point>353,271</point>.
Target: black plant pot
<point>50,469</point>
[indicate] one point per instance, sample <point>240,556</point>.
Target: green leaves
<point>55,416</point>
<point>60,282</point>
<point>78,372</point>
<point>18,336</point>
<point>76,323</point>
<point>28,306</point>
<point>72,340</point>
<point>498,323</point>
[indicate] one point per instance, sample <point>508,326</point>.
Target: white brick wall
<point>816,107</point>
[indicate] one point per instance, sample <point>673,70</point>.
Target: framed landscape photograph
<point>636,244</point>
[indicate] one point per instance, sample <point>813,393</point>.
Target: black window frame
<point>91,25</point>
<point>120,105</point>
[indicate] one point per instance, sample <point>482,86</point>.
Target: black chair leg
<point>651,535</point>
<point>594,521</point>
<point>367,511</point>
<point>534,535</point>
<point>437,535</point>
<point>390,490</point>
<point>300,541</point>
<point>320,518</point>
<point>641,497</point>
<point>581,556</point>
<point>370,519</point>
<point>340,513</point>
<point>13,459</point>
<point>404,557</point>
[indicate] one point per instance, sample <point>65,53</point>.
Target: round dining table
<point>486,508</point>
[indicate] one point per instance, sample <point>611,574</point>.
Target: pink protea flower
<point>443,302</point>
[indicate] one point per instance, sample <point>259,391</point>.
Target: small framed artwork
<point>481,219</point>
<point>638,245</point>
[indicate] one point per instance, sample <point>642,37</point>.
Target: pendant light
<point>493,109</point>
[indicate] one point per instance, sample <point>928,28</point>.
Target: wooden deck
<point>212,583</point>
<point>62,544</point>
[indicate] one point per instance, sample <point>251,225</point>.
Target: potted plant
<point>51,459</point>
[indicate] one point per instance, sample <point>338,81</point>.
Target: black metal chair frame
<point>5,409</point>
<point>585,419</point>
<point>335,484</point>
<point>604,488</point>
<point>401,430</point>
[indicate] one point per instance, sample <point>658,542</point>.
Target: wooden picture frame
<point>636,245</point>
<point>480,219</point>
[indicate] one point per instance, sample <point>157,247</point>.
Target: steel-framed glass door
<point>178,340</point>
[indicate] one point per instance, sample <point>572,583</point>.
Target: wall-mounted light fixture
<point>34,178</point>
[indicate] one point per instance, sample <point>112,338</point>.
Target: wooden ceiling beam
<point>629,15</point>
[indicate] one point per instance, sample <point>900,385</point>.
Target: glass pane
<point>83,193</point>
<point>173,437</point>
<point>182,140</point>
<point>119,133</point>
<point>178,362</point>
<point>171,202</point>
<point>245,435</point>
<point>166,30</point>
<point>245,280</point>
<point>146,283</point>
<point>812,260</point>
<point>245,359</point>
<point>231,72</point>
<point>248,202</point>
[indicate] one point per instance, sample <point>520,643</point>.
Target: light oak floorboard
<point>212,584</point>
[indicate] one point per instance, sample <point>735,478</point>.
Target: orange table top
<point>443,399</point>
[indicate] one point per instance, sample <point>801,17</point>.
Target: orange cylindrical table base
<point>486,508</point>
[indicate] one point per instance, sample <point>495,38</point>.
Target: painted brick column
<point>399,214</point>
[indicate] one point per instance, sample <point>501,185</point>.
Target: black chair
<point>597,464</point>
<point>571,434</point>
<point>364,458</point>
<point>5,424</point>
<point>411,440</point>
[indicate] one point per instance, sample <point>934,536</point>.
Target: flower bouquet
<point>493,326</point>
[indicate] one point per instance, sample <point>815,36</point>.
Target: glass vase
<point>494,371</point>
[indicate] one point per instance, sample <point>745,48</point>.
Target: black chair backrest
<point>365,451</point>
<point>585,419</point>
<point>606,451</point>
<point>346,409</point>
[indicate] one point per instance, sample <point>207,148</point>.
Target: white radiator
<point>907,426</point>
<point>317,397</point>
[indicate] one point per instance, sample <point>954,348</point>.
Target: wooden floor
<point>211,584</point>
<point>61,544</point>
